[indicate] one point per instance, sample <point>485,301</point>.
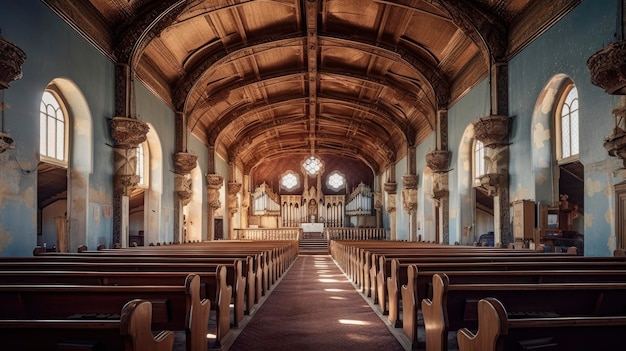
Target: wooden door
<point>218,228</point>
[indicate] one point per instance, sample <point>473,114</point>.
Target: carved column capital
<point>214,184</point>
<point>438,161</point>
<point>11,60</point>
<point>183,186</point>
<point>128,132</point>
<point>391,187</point>
<point>608,68</point>
<point>391,202</point>
<point>409,181</point>
<point>184,162</point>
<point>615,144</point>
<point>493,183</point>
<point>234,188</point>
<point>492,131</point>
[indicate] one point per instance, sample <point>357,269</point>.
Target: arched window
<point>567,125</point>
<point>52,136</point>
<point>289,180</point>
<point>479,160</point>
<point>141,165</point>
<point>336,181</point>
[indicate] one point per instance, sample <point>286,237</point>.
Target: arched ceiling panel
<point>268,78</point>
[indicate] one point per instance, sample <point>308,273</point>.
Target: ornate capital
<point>615,144</point>
<point>439,186</point>
<point>391,202</point>
<point>128,132</point>
<point>409,181</point>
<point>233,188</point>
<point>127,181</point>
<point>183,188</point>
<point>409,199</point>
<point>608,68</point>
<point>214,181</point>
<point>391,188</point>
<point>6,142</point>
<point>184,162</point>
<point>492,131</point>
<point>438,160</point>
<point>11,60</point>
<point>492,183</point>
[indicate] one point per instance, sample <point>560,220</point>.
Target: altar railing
<point>267,233</point>
<point>350,233</point>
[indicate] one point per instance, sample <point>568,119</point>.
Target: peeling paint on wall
<point>541,178</point>
<point>541,134</point>
<point>592,187</point>
<point>5,239</point>
<point>521,193</point>
<point>588,220</point>
<point>100,196</point>
<point>609,215</point>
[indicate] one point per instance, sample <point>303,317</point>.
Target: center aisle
<point>315,307</point>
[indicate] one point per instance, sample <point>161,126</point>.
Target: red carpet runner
<point>315,307</point>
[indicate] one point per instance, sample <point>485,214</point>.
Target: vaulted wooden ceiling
<point>262,79</point>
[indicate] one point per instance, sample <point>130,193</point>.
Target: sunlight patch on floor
<point>353,322</point>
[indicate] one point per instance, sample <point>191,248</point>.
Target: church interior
<point>414,124</point>
<point>142,122</point>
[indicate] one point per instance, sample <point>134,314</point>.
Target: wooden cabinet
<point>523,220</point>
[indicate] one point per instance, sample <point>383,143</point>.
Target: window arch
<point>142,159</point>
<point>566,121</point>
<point>478,161</point>
<point>53,128</point>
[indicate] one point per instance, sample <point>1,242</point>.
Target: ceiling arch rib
<point>266,150</point>
<point>221,124</point>
<point>341,128</point>
<point>298,74</point>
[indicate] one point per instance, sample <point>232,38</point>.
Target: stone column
<point>391,189</point>
<point>233,206</point>
<point>493,132</point>
<point>214,184</point>
<point>184,163</point>
<point>128,133</point>
<point>409,202</point>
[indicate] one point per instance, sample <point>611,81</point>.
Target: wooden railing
<point>267,233</point>
<point>349,233</point>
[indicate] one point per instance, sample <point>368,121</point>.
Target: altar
<point>312,227</point>
<point>310,230</point>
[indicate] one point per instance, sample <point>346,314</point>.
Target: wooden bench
<point>398,279</point>
<point>454,306</point>
<point>131,331</point>
<point>176,307</point>
<point>498,332</point>
<point>207,272</point>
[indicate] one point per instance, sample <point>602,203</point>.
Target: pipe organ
<point>333,211</point>
<point>265,202</point>
<point>360,201</point>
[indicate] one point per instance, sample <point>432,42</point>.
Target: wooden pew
<point>454,306</point>
<point>131,331</point>
<point>398,275</point>
<point>233,277</point>
<point>173,307</point>
<point>498,332</point>
<point>253,266</point>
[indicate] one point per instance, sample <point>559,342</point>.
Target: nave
<point>316,307</point>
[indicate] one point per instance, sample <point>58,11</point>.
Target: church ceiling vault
<point>260,79</point>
